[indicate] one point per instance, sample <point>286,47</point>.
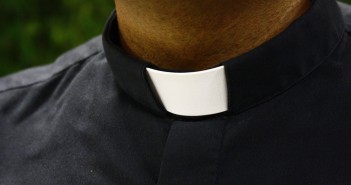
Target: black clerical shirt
<point>92,118</point>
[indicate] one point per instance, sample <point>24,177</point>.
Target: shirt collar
<point>253,77</point>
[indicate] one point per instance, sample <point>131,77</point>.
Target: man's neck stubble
<point>200,34</point>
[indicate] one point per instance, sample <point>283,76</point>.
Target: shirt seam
<point>220,150</point>
<point>269,98</point>
<point>54,75</point>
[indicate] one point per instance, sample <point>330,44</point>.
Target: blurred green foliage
<point>35,32</point>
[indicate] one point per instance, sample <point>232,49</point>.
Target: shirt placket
<point>192,153</point>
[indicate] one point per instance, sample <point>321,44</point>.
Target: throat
<point>201,34</point>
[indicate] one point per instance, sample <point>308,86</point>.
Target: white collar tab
<point>197,93</point>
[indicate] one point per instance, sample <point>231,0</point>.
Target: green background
<point>35,32</point>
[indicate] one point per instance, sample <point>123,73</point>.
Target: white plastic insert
<point>192,93</point>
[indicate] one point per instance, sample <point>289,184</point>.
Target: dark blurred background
<point>35,32</point>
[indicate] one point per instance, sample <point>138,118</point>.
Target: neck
<point>200,34</point>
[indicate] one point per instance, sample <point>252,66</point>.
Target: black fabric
<point>92,118</point>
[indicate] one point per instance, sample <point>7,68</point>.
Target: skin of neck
<point>195,35</point>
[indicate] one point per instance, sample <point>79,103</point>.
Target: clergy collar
<point>252,78</point>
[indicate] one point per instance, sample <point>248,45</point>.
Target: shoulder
<point>31,76</point>
<point>346,11</point>
<point>345,8</point>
